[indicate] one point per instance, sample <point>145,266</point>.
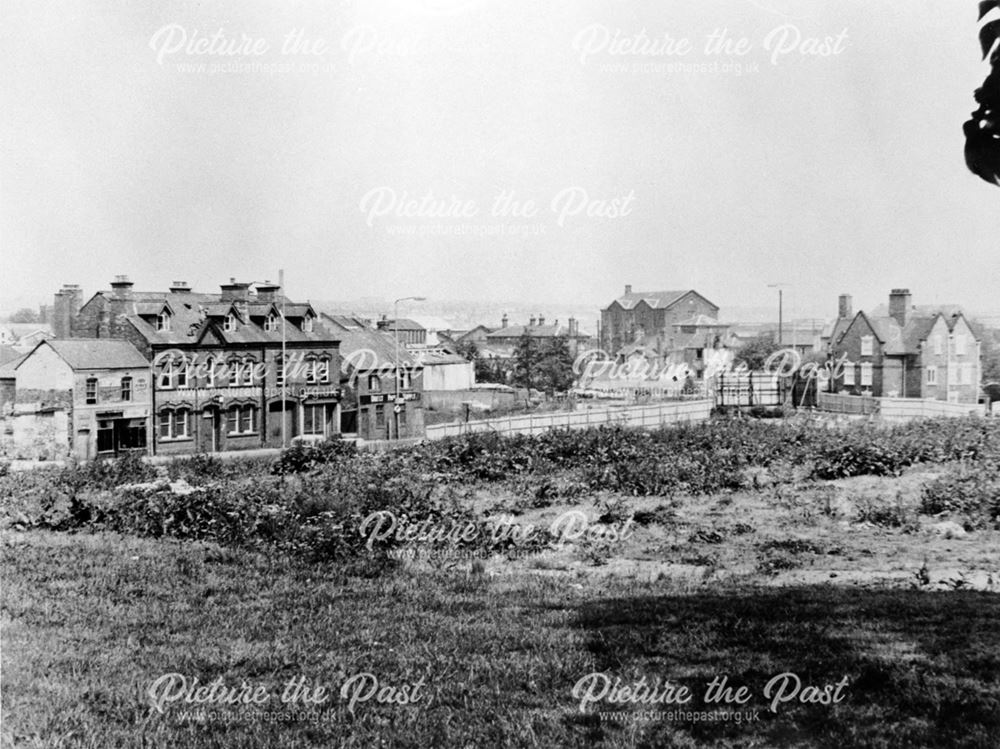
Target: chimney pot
<point>844,307</point>
<point>628,288</point>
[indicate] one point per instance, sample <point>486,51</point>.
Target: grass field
<point>91,620</point>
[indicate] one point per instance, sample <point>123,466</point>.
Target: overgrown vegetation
<point>314,498</point>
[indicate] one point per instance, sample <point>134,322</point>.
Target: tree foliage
<point>982,132</point>
<point>24,315</point>
<point>755,352</point>
<point>543,363</point>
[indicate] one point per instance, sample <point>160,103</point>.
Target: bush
<point>969,492</point>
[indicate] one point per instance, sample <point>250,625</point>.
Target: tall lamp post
<point>395,331</point>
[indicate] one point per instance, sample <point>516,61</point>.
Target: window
<point>167,376</point>
<point>210,372</point>
<point>165,424</point>
<point>848,373</point>
<point>866,345</point>
<point>163,321</point>
<point>961,345</point>
<point>91,390</point>
<point>126,388</point>
<point>932,375</point>
<point>963,374</point>
<point>180,424</point>
<point>234,373</point>
<point>271,323</point>
<point>401,418</point>
<point>182,375</point>
<point>314,419</point>
<point>937,345</point>
<point>279,370</point>
<point>247,369</point>
<point>866,374</point>
<point>380,416</point>
<point>241,420</point>
<point>173,425</point>
<point>374,384</point>
<point>105,436</point>
<point>405,382</point>
<point>311,371</point>
<point>307,324</point>
<point>229,325</point>
<point>323,370</point>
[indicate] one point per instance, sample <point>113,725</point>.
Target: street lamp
<point>395,334</point>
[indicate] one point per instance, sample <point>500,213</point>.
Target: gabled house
<point>910,352</point>
<point>88,397</point>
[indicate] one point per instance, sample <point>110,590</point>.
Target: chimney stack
<point>899,305</point>
<point>65,306</point>
<point>844,307</point>
<point>573,327</point>
<point>541,321</point>
<point>180,287</point>
<point>121,288</point>
<point>235,292</point>
<point>267,291</point>
<point>628,288</point>
<point>503,320</point>
<point>531,322</point>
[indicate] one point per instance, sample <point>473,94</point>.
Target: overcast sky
<point>391,148</point>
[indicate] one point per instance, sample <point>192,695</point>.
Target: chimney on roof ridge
<point>503,320</point>
<point>628,288</point>
<point>234,292</point>
<point>179,287</point>
<point>531,322</point>
<point>899,305</point>
<point>541,321</point>
<point>267,291</point>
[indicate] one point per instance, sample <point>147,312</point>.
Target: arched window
<point>174,424</point>
<point>374,384</point>
<point>163,321</point>
<point>271,323</point>
<point>323,370</point>
<point>210,372</point>
<point>279,370</point>
<point>229,325</point>
<point>307,324</point>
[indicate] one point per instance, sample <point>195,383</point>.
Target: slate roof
<point>533,331</point>
<point>9,353</point>
<point>194,312</point>
<point>95,353</point>
<point>355,336</point>
<point>655,299</point>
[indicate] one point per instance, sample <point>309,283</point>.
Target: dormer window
<point>271,323</point>
<point>307,324</point>
<point>229,325</point>
<point>163,321</point>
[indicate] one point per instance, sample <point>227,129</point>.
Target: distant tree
<point>991,354</point>
<point>755,352</point>
<point>486,369</point>
<point>25,314</point>
<point>468,350</point>
<point>543,363</point>
<point>982,132</point>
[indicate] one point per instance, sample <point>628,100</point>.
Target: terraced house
<point>906,351</point>
<point>240,369</point>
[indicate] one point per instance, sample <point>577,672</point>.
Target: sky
<point>485,150</point>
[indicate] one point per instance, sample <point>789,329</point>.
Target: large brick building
<point>239,369</point>
<point>907,351</point>
<point>674,326</point>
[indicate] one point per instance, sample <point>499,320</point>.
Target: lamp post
<point>395,334</point>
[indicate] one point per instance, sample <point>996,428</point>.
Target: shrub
<point>970,492</point>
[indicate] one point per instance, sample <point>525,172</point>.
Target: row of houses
<point>898,349</point>
<point>179,371</point>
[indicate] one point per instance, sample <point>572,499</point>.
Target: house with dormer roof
<point>239,369</point>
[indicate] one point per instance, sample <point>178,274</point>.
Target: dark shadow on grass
<point>923,668</point>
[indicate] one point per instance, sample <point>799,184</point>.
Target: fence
<point>895,409</point>
<point>635,416</point>
<point>747,389</point>
<point>847,404</point>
